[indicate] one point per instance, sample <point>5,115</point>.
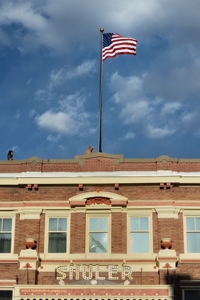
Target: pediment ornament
<point>98,201</point>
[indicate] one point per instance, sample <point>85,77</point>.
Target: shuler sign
<point>88,272</point>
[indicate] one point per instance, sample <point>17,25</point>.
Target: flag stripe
<point>114,44</point>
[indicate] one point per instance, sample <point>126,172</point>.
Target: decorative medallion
<point>98,201</point>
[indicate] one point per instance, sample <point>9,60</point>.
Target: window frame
<point>9,215</point>
<point>194,212</point>
<point>87,240</point>
<point>193,215</point>
<point>139,214</point>
<point>56,214</point>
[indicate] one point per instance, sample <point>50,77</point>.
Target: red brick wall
<point>119,233</point>
<point>77,234</point>
<point>168,228</point>
<point>29,228</point>
<point>136,194</point>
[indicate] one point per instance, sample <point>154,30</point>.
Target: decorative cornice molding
<point>31,213</point>
<point>167,212</point>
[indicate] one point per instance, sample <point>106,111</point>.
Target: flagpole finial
<point>102,29</point>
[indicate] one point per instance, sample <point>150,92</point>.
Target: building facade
<point>101,227</point>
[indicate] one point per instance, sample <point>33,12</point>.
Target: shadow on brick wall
<point>184,286</point>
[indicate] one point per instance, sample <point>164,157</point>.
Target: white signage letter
<point>84,270</point>
<point>77,272</point>
<point>71,272</point>
<point>61,270</point>
<point>112,270</point>
<point>126,272</point>
<point>97,274</point>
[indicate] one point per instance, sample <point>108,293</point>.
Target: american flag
<point>115,44</point>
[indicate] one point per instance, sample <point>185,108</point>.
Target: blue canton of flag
<point>115,44</point>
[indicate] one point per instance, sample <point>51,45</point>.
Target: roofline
<point>118,158</point>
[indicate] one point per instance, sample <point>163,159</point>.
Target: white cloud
<point>53,139</point>
<point>59,77</point>
<point>29,81</point>
<point>155,118</point>
<point>32,113</point>
<point>135,112</point>
<point>62,147</point>
<point>57,121</point>
<point>157,133</point>
<point>130,96</point>
<point>188,117</point>
<point>56,77</point>
<point>69,118</point>
<point>17,114</point>
<point>30,26</point>
<point>170,108</point>
<point>87,67</point>
<point>129,136</point>
<point>42,95</point>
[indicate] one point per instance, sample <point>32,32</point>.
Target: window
<point>57,235</point>
<point>193,234</point>
<point>5,295</point>
<point>5,235</point>
<point>139,235</point>
<point>191,294</point>
<point>98,235</point>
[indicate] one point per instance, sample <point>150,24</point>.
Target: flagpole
<point>100,91</point>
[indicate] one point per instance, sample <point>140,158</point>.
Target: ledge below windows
<point>189,258</point>
<point>8,258</point>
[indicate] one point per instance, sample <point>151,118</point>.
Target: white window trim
<point>10,215</point>
<point>56,214</point>
<point>186,255</point>
<point>140,214</point>
<point>98,215</point>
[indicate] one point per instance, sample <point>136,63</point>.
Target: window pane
<point>93,224</point>
<point>98,242</point>
<point>5,242</point>
<point>0,224</point>
<point>193,242</point>
<point>103,224</point>
<point>5,295</point>
<point>192,295</point>
<point>144,224</point>
<point>134,224</point>
<point>53,224</point>
<point>62,224</point>
<point>57,242</point>
<point>197,223</point>
<point>190,223</point>
<point>7,224</point>
<point>139,242</point>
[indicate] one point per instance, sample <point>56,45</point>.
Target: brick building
<point>101,227</point>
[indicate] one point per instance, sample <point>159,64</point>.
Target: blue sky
<point>49,78</point>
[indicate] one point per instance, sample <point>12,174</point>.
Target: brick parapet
<point>100,162</point>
